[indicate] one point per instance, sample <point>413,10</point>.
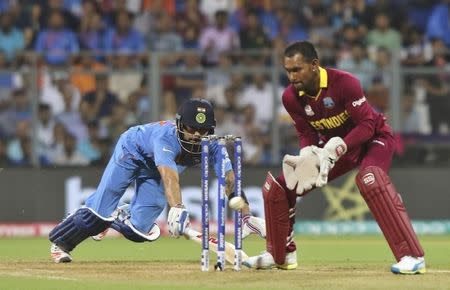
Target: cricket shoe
<point>265,261</point>
<point>409,265</point>
<point>58,255</point>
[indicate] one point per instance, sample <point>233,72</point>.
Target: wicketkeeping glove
<point>177,221</point>
<point>253,225</point>
<point>302,170</point>
<point>328,156</point>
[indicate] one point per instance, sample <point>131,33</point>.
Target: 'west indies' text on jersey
<point>339,109</point>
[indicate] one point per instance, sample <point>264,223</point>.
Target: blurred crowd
<point>93,57</point>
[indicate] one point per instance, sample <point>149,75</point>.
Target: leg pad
<point>388,210</point>
<point>77,227</point>
<point>276,208</point>
<point>127,229</point>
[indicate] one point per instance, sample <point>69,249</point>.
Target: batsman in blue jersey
<point>151,156</point>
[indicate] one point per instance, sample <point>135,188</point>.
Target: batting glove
<point>177,221</point>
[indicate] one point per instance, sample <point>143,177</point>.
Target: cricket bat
<point>195,236</point>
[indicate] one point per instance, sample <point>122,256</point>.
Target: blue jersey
<point>156,144</point>
<point>138,153</point>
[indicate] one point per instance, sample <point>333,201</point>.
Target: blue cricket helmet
<point>196,114</point>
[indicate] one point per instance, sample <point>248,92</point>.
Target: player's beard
<point>298,86</point>
<point>307,86</point>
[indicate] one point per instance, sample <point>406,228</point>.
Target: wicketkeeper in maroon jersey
<point>338,131</point>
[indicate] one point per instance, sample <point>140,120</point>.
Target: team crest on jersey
<point>309,111</point>
<point>328,102</point>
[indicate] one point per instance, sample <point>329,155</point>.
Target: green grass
<point>325,262</point>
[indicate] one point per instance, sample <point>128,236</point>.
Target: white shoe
<point>409,265</point>
<point>266,261</point>
<point>58,255</point>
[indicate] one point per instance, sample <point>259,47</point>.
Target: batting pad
<point>77,227</point>
<point>127,229</point>
<point>276,210</point>
<point>388,210</point>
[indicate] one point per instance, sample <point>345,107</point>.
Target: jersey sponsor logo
<point>359,102</point>
<point>368,178</point>
<point>330,122</point>
<point>309,111</point>
<point>328,102</point>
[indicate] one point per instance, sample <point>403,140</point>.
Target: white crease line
<point>30,275</point>
<point>339,271</point>
<point>438,271</point>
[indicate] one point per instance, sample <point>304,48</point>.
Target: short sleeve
<point>165,152</point>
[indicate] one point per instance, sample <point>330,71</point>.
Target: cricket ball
<point>236,203</point>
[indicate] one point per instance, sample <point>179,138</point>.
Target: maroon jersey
<point>339,109</point>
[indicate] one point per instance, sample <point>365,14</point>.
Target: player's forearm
<point>360,134</point>
<point>171,185</point>
<point>229,182</point>
<point>173,194</point>
<point>306,135</point>
<point>308,140</point>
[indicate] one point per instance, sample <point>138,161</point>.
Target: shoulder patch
<point>328,102</point>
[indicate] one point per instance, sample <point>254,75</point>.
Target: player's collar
<point>323,81</point>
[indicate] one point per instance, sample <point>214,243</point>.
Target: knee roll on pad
<point>388,210</point>
<point>77,227</point>
<point>127,229</point>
